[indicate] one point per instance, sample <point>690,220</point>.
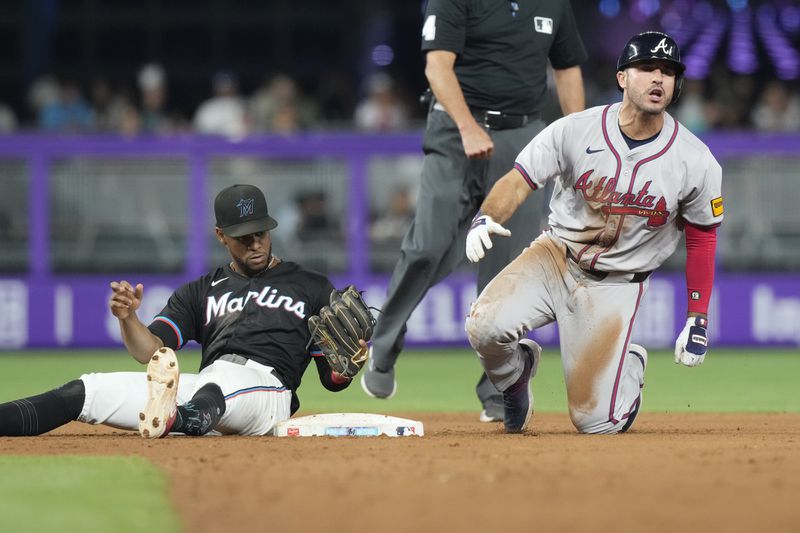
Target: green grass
<point>428,381</point>
<point>729,381</point>
<point>102,494</point>
<point>83,494</point>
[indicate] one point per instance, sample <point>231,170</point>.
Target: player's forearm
<point>701,245</point>
<point>139,341</point>
<point>569,85</point>
<point>444,84</point>
<point>329,379</point>
<point>506,196</point>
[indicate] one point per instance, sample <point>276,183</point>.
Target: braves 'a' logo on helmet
<point>662,45</point>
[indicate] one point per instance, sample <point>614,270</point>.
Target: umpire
<point>486,63</point>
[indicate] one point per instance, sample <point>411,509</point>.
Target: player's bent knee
<point>483,333</point>
<point>594,423</point>
<point>481,321</point>
<point>490,342</point>
<point>473,327</point>
<point>606,428</point>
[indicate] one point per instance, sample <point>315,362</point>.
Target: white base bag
<point>349,425</point>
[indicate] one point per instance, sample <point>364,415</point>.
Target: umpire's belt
<point>497,120</point>
<point>599,275</point>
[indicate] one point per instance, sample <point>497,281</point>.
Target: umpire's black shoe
<point>518,398</point>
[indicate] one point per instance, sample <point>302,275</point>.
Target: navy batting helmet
<point>654,45</point>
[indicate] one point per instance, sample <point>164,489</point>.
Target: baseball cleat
<point>159,412</point>
<point>376,383</point>
<point>518,398</point>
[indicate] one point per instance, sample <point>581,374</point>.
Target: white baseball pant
<point>255,399</point>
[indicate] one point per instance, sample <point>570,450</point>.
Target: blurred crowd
<point>729,102</point>
<point>60,104</point>
<point>725,101</point>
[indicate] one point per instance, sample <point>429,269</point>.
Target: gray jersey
<point>619,209</point>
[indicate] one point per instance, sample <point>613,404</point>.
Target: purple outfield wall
<point>73,311</point>
<point>43,309</point>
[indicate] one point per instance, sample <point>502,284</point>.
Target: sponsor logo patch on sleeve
<point>716,206</point>
<point>429,28</point>
<point>543,25</point>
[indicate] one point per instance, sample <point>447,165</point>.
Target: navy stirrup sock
<point>199,415</point>
<point>42,413</point>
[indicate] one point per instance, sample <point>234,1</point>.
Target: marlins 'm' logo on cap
<point>241,210</point>
<point>716,206</point>
<point>245,206</point>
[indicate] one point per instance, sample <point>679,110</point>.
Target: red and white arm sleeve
<point>701,245</point>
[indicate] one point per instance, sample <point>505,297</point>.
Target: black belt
<point>638,277</point>
<point>496,120</point>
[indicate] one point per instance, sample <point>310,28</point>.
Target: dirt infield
<point>731,472</point>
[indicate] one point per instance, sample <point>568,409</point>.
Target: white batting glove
<point>478,237</point>
<point>692,342</point>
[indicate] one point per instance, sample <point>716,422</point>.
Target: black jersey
<point>264,318</point>
<point>502,48</point>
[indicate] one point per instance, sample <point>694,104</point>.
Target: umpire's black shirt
<point>502,48</point>
<point>264,318</point>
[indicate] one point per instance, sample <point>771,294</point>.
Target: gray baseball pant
<point>452,189</point>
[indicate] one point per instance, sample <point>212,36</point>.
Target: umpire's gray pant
<point>451,191</point>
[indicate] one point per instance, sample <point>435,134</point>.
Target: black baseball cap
<point>242,210</point>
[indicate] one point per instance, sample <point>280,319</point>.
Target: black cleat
<point>518,398</point>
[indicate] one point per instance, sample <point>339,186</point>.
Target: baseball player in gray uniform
<point>486,63</point>
<point>629,179</point>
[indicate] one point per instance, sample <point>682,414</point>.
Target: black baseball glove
<point>338,329</point>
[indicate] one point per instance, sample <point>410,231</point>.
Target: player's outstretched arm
<point>503,200</point>
<point>125,300</point>
<point>692,342</point>
<point>506,196</point>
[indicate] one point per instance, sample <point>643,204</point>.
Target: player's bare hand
<point>692,343</point>
<point>478,238</point>
<point>125,299</point>
<point>477,143</point>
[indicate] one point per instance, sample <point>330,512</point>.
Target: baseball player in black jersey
<point>251,319</point>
